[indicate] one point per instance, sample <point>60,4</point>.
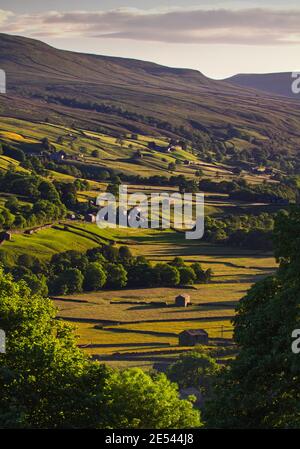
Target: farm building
<point>182,300</point>
<point>29,231</point>
<point>193,337</point>
<point>91,218</point>
<point>58,156</point>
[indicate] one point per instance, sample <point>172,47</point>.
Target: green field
<point>114,154</point>
<point>126,326</point>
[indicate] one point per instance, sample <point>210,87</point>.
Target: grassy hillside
<point>124,95</point>
<point>273,83</point>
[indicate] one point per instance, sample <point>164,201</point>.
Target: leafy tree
<point>187,275</point>
<point>12,204</point>
<point>141,275</point>
<point>125,255</point>
<point>166,275</point>
<point>70,281</point>
<point>178,262</point>
<point>40,372</point>
<point>49,192</point>
<point>116,276</point>
<point>202,276</point>
<point>140,401</point>
<point>194,369</point>
<point>36,285</point>
<point>19,222</point>
<point>261,387</point>
<point>6,218</point>
<point>69,259</point>
<point>95,277</point>
<point>111,253</point>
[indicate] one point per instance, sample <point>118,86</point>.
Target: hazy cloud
<point>244,26</point>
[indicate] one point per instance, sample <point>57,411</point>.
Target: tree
<point>194,369</point>
<point>166,275</point>
<point>261,387</point>
<point>116,276</point>
<point>137,400</point>
<point>95,153</point>
<point>70,281</point>
<point>111,253</point>
<point>178,262</point>
<point>42,364</point>
<point>202,276</point>
<point>6,218</point>
<point>49,192</point>
<point>46,381</point>
<point>113,189</point>
<point>187,275</point>
<point>19,222</point>
<point>125,255</point>
<point>12,204</point>
<point>38,285</point>
<point>141,275</point>
<point>95,277</point>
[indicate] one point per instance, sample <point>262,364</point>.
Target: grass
<point>135,333</point>
<point>45,243</point>
<point>127,326</point>
<point>28,135</point>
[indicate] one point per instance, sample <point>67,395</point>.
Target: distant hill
<point>122,95</point>
<point>274,83</point>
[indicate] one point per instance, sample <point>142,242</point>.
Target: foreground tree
<point>137,400</point>
<point>194,369</point>
<point>261,387</point>
<point>46,381</point>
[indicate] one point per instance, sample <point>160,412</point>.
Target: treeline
<point>243,231</point>
<point>285,191</point>
<point>47,205</point>
<point>184,184</point>
<point>42,201</point>
<point>106,267</point>
<point>196,134</point>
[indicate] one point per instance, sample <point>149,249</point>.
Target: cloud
<point>252,26</point>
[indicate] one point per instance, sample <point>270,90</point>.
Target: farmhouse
<point>193,337</point>
<point>182,300</point>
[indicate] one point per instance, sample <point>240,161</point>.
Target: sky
<point>219,38</point>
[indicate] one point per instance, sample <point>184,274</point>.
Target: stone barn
<point>182,300</point>
<point>192,337</point>
<point>90,218</point>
